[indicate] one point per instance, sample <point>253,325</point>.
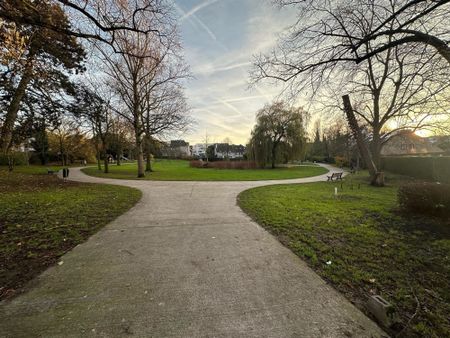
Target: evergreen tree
<point>43,54</point>
<point>40,141</point>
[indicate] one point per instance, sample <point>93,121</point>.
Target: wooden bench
<point>336,176</point>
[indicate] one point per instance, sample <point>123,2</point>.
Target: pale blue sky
<point>219,38</point>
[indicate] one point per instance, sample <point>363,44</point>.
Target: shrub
<point>425,197</point>
<point>341,161</point>
<point>224,164</point>
<point>19,158</point>
<point>196,164</point>
<point>429,168</point>
<point>319,159</point>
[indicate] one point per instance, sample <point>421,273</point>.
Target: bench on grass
<point>50,171</point>
<point>335,176</point>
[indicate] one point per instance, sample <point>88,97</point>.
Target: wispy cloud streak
<point>197,8</point>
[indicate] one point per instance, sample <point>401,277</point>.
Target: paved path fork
<point>184,262</point>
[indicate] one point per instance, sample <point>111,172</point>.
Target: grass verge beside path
<point>362,245</point>
<point>178,170</point>
<point>42,217</point>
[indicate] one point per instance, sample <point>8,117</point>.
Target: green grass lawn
<point>178,170</point>
<point>33,169</point>
<point>370,247</point>
<point>42,217</point>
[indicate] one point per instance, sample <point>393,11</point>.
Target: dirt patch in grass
<point>41,218</point>
<point>373,249</point>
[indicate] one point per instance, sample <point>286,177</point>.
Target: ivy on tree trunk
<point>377,178</point>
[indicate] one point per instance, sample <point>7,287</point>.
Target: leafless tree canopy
<point>99,20</point>
<point>393,90</point>
<point>146,77</point>
<point>327,33</point>
<point>391,56</point>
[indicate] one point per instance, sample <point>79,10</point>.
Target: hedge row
<point>429,168</point>
<point>425,198</point>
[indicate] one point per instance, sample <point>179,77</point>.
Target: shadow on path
<point>185,261</point>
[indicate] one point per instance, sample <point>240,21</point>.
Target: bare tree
<point>120,137</point>
<point>206,142</point>
<point>227,140</point>
<point>166,111</point>
<point>395,91</point>
<point>94,106</point>
<point>377,177</point>
<point>328,32</point>
<point>403,86</point>
<point>95,20</point>
<point>140,75</point>
<point>65,137</point>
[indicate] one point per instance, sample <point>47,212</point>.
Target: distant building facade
<point>176,149</point>
<point>229,151</point>
<point>199,150</point>
<point>407,143</point>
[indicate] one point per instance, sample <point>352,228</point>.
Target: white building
<point>176,149</point>
<point>229,151</point>
<point>199,150</point>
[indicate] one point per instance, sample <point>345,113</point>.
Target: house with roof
<point>176,149</point>
<point>199,150</point>
<point>407,143</point>
<point>229,151</point>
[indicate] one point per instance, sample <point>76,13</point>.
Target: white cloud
<point>197,8</point>
<point>220,39</point>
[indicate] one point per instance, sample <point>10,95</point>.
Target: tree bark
<point>14,106</point>
<point>148,165</point>
<point>11,163</point>
<point>99,164</point>
<point>61,150</point>
<point>97,153</point>
<point>440,45</point>
<point>376,148</point>
<point>119,155</point>
<point>105,164</point>
<point>140,160</point>
<point>377,178</point>
<point>140,154</point>
<point>274,154</point>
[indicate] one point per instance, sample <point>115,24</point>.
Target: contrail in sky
<point>197,8</point>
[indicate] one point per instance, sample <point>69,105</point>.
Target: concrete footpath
<point>184,262</point>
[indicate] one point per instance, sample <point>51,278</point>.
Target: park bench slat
<point>336,176</point>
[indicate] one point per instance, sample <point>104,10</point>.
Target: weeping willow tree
<point>279,134</point>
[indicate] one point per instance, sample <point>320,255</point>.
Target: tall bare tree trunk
<point>140,161</point>
<point>14,106</point>
<point>140,154</point>
<point>119,157</point>
<point>99,164</point>
<point>105,163</point>
<point>376,148</point>
<point>274,154</point>
<point>97,153</point>
<point>11,162</point>
<point>148,165</point>
<point>148,155</point>
<point>377,178</point>
<point>61,150</point>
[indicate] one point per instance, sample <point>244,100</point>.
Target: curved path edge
<point>185,261</point>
